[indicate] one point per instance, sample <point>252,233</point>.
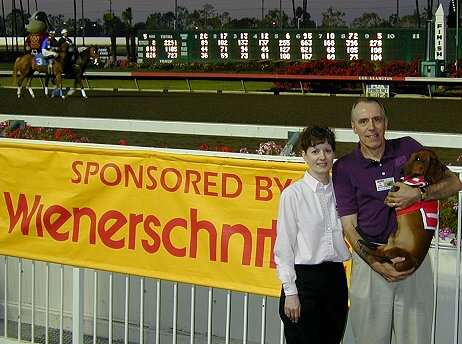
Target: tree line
<point>208,18</point>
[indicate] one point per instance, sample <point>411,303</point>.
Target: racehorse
<point>71,64</point>
<point>25,66</point>
<point>76,65</point>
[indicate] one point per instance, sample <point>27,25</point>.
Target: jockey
<point>65,38</point>
<point>52,40</point>
<point>49,47</point>
<point>72,52</point>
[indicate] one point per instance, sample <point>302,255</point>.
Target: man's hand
<point>403,197</point>
<point>292,307</point>
<point>388,271</point>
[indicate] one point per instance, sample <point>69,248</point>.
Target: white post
<point>77,306</point>
<point>440,35</point>
<point>458,268</point>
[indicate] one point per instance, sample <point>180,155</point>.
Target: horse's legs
<point>82,90</point>
<point>23,65</point>
<point>59,83</point>
<point>29,88</point>
<point>25,80</point>
<point>57,72</point>
<point>78,81</point>
<point>17,81</point>
<point>47,80</point>
<point>19,84</point>
<point>71,92</point>
<point>18,91</point>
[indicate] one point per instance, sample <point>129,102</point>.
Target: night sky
<point>237,8</point>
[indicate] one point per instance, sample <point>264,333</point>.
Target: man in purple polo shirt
<point>385,303</point>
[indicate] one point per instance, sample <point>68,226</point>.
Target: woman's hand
<point>292,307</point>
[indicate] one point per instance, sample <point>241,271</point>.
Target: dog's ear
<point>435,170</point>
<point>407,168</point>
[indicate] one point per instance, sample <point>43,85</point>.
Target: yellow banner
<point>194,219</point>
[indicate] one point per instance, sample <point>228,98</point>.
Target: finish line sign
<point>193,219</point>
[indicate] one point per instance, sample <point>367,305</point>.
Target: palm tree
<point>84,23</point>
<point>175,24</point>
<point>14,23</point>
<point>75,22</point>
<point>262,10</point>
<point>4,25</point>
<point>293,7</point>
<point>23,22</point>
<point>429,9</point>
<point>417,12</point>
<point>127,18</point>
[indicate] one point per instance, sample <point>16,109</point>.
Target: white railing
<point>46,302</point>
<point>292,78</point>
<point>103,41</point>
<point>217,129</point>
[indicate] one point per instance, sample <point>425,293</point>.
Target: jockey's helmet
<point>64,31</point>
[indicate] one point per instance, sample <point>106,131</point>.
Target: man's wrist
<point>423,192</point>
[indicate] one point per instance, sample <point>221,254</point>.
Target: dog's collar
<point>414,181</point>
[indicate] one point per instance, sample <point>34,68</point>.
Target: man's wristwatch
<point>423,192</point>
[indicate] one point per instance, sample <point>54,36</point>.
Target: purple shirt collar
<point>388,153</point>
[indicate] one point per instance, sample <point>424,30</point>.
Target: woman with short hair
<point>310,249</point>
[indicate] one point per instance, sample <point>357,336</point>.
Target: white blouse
<point>309,230</point>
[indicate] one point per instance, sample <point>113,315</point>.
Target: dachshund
<point>416,224</point>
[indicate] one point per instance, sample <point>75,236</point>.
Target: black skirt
<point>323,293</point>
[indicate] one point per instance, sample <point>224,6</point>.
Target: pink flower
<point>444,233</point>
<point>269,148</point>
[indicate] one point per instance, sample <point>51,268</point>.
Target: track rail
<point>258,77</point>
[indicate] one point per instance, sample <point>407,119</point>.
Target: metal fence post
<point>77,305</point>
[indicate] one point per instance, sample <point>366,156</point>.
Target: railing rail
<point>446,140</point>
<point>259,77</point>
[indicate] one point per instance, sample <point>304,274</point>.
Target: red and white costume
<point>428,209</point>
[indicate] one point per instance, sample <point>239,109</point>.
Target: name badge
<point>384,184</point>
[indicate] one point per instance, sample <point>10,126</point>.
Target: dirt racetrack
<point>413,114</point>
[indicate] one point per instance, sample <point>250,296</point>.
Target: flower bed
<point>19,130</point>
<point>314,67</point>
<point>453,72</point>
<point>448,219</point>
<point>344,68</point>
<point>265,148</point>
